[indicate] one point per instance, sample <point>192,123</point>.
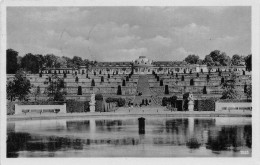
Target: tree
<point>217,58</point>
<point>56,89</point>
<point>77,61</point>
<point>229,86</point>
<point>19,88</point>
<point>249,92</point>
<point>37,92</point>
<point>119,91</point>
<point>236,60</point>
<point>192,59</point>
<point>79,90</point>
<point>93,83</point>
<point>11,61</point>
<point>166,89</point>
<point>248,61</point>
<point>50,60</point>
<point>161,82</point>
<point>204,91</point>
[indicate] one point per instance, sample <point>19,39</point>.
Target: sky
<point>125,33</point>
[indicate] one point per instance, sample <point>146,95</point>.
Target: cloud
<point>124,33</point>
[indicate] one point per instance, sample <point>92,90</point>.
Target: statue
<point>191,102</point>
<point>92,102</point>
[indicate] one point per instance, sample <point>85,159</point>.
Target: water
<point>120,137</point>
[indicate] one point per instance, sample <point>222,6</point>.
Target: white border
<point>255,4</point>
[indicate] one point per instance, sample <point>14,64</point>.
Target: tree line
<point>34,62</point>
<point>218,58</point>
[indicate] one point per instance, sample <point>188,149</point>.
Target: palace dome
<point>143,61</point>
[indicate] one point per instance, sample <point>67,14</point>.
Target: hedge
<point>77,106</point>
<point>207,105</point>
<point>120,101</point>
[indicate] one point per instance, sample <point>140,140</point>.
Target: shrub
<point>204,91</point>
<point>158,78</point>
<point>164,101</point>
<point>99,96</point>
<point>191,82</point>
<point>119,91</point>
<point>86,75</point>
<point>79,90</point>
<point>123,83</point>
<point>166,90</point>
<point>185,100</point>
<point>127,78</point>
<point>98,105</point>
<point>222,80</point>
<point>198,75</point>
<point>65,75</point>
<point>108,76</point>
<point>77,79</point>
<point>102,79</point>
<point>161,82</point>
<point>182,78</point>
<point>207,105</point>
<point>77,106</point>
<point>93,83</point>
<point>120,101</point>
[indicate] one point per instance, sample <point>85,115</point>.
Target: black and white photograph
<point>129,81</point>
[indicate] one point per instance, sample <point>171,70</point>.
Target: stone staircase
<point>143,86</point>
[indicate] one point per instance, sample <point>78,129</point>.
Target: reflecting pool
<point>121,137</point>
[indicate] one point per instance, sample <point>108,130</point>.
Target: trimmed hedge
<point>77,106</point>
<point>120,101</point>
<point>207,105</point>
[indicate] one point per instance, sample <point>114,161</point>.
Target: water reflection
<point>163,137</point>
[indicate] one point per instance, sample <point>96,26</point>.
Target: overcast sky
<point>124,33</point>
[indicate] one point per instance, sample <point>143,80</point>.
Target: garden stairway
<point>143,87</point>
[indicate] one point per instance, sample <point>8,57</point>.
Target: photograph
<point>128,82</point>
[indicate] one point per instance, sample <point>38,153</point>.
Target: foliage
<point>217,58</point>
<point>77,106</point>
<point>169,100</point>
<point>19,88</point>
<point>99,96</point>
<point>161,82</point>
<point>249,92</point>
<point>207,105</point>
<point>192,59</point>
<point>56,90</point>
<point>204,91</point>
<point>120,101</point>
<point>123,83</point>
<point>229,86</point>
<point>11,61</point>
<point>93,83</point>
<point>79,90</point>
<point>37,92</point>
<point>237,60</point>
<point>30,63</point>
<point>248,61</point>
<point>119,91</point>
<point>166,89</point>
